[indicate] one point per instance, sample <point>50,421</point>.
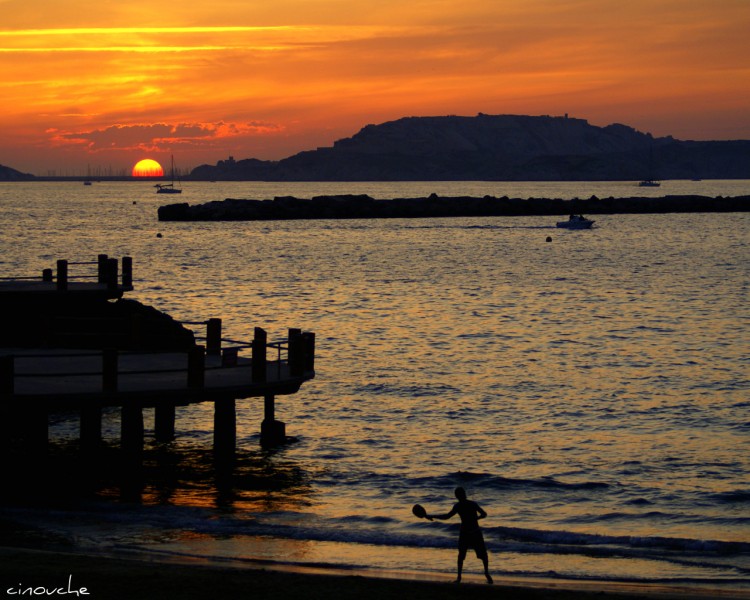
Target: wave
<point>570,539</point>
<point>732,497</point>
<point>411,391</point>
<point>498,482</point>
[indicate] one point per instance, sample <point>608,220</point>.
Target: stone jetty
<point>358,206</point>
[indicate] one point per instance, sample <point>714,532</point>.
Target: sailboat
<point>168,188</point>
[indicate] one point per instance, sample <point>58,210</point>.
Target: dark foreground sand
<point>65,574</point>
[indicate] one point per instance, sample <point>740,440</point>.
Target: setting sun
<point>147,168</point>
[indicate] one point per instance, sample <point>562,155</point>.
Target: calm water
<point>591,393</point>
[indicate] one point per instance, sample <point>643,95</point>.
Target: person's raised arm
<point>442,517</point>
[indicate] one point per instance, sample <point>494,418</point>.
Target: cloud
<point>156,135</point>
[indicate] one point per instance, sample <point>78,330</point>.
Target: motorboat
<point>576,222</point>
<point>649,183</point>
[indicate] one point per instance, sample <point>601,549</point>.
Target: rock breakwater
<point>366,207</point>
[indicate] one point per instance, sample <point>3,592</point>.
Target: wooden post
<point>225,427</point>
<point>309,345</point>
<point>47,275</point>
<point>91,427</point>
<point>196,367</point>
<point>7,375</point>
<point>164,417</point>
<point>109,369</point>
<point>272,432</point>
<point>296,353</point>
<point>111,273</point>
<point>102,268</point>
<point>259,356</point>
<point>62,275</point>
<point>127,271</point>
<point>213,337</point>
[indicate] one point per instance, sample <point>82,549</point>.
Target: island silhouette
<point>496,148</point>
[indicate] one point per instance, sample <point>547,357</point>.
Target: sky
<point>94,86</point>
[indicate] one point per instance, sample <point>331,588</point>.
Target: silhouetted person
<point>470,535</point>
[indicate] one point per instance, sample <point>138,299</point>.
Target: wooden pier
<point>108,366</point>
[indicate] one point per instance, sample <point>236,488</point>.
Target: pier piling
<point>109,369</point>
<point>196,367</point>
<point>164,419</point>
<point>7,374</point>
<point>131,433</point>
<point>91,427</point>
<point>272,432</point>
<point>121,361</point>
<point>36,430</point>
<point>225,428</point>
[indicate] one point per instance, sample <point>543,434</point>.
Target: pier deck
<point>73,379</point>
<point>64,347</point>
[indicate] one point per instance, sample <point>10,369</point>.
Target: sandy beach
<point>34,572</point>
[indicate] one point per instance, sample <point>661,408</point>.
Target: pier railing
<point>107,273</point>
<point>294,359</point>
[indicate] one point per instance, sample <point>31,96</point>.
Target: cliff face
<point>504,147</point>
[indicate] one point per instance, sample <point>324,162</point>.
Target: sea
<point>589,389</point>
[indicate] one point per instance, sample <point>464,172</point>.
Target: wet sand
<point>66,574</point>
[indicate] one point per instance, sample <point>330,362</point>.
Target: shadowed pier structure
<point>77,345</point>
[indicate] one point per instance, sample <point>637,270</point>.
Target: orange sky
<point>99,85</point>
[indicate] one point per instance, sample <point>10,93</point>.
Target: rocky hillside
<point>8,174</point>
<point>504,147</point>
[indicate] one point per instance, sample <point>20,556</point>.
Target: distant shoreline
<point>189,178</point>
<point>362,206</point>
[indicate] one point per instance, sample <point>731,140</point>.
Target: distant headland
<point>488,148</point>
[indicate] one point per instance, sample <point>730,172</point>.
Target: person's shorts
<point>472,539</point>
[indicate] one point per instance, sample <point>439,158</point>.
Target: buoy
<point>549,238</point>
<point>158,235</point>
